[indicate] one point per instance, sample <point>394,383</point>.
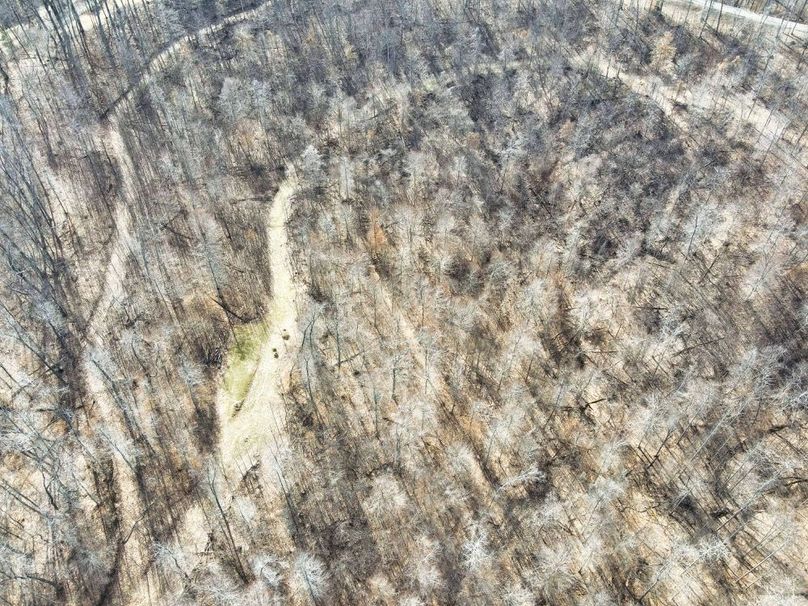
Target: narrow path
<point>255,425</point>
<point>156,62</point>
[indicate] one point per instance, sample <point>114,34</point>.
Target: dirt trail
<point>699,10</point>
<point>112,282</point>
<point>86,17</point>
<point>112,288</point>
<point>254,423</point>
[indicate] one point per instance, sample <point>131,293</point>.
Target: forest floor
<point>250,401</point>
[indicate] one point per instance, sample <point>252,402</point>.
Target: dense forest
<point>403,302</point>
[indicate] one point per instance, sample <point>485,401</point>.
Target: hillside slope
<point>403,302</point>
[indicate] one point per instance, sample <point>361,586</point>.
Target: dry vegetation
<point>420,302</point>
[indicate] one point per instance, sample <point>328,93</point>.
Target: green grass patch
<point>242,359</point>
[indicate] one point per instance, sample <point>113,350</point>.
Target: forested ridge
<point>403,302</point>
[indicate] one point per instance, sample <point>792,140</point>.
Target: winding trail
<point>255,425</point>
<point>768,123</point>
